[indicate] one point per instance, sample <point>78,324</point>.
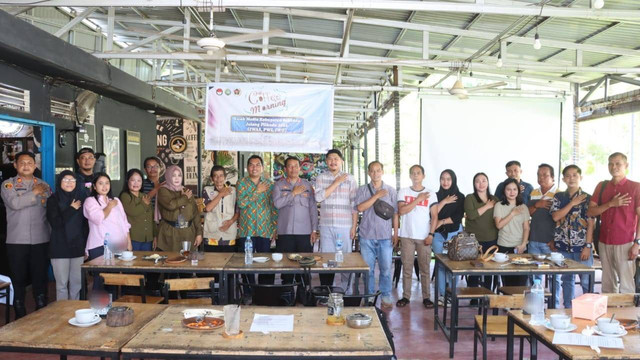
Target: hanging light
<point>597,4</point>
<point>536,42</point>
<point>225,69</point>
<point>499,62</point>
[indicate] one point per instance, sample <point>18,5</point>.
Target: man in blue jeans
<point>573,234</point>
<point>378,236</point>
<point>542,225</point>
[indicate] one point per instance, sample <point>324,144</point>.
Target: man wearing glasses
<point>25,198</point>
<point>86,159</point>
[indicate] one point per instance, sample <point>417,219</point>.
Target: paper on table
<point>272,323</point>
<point>582,340</point>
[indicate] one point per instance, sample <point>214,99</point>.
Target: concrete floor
<point>412,328</point>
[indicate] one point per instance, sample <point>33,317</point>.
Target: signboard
<point>177,144</point>
<point>269,117</point>
<point>111,147</point>
<point>133,150</point>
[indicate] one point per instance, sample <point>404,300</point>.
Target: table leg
<point>367,291</point>
<point>453,328</point>
<point>592,281</point>
<point>222,288</point>
<point>435,297</point>
<point>509,338</point>
<point>356,285</point>
<point>533,348</point>
<point>552,303</point>
<point>83,284</point>
<point>63,357</point>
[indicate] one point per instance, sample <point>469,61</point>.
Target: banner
<point>177,144</point>
<point>269,117</point>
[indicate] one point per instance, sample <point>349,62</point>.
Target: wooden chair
<point>623,300</point>
<point>271,294</point>
<point>519,290</point>
<point>496,325</point>
<point>5,292</point>
<point>468,293</point>
<point>188,284</point>
<point>131,280</point>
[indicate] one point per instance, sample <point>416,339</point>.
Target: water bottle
<point>537,303</point>
<point>108,254</point>
<point>339,254</point>
<point>248,250</point>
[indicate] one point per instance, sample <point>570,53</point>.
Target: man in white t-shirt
<point>413,208</point>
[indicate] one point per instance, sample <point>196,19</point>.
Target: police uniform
<point>27,238</point>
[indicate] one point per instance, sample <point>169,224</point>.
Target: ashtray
<point>332,263</point>
<point>359,321</point>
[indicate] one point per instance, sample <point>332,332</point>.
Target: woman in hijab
<point>69,231</point>
<point>448,211</point>
<point>177,213</point>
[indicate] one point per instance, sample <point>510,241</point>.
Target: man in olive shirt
<point>25,198</point>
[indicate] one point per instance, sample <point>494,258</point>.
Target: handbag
<point>464,247</point>
<point>381,207</point>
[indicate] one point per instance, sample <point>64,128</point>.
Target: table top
<point>352,262</point>
<point>631,340</point>
<point>492,267</point>
<point>211,262</point>
<point>48,328</point>
<point>165,335</point>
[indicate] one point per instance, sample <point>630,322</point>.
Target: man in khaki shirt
<point>25,198</point>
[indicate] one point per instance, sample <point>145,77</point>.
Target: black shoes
<point>41,301</point>
<point>19,308</point>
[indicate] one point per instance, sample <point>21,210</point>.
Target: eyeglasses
<point>68,180</point>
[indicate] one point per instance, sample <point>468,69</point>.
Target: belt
<point>175,224</point>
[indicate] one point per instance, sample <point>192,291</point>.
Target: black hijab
<point>65,198</point>
<point>455,211</point>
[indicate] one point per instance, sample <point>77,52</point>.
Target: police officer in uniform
<point>86,159</point>
<point>25,197</point>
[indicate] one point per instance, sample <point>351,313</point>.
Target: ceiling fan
<point>462,93</point>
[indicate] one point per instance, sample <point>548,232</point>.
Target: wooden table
<point>48,331</point>
<point>459,268</point>
<point>213,263</point>
<point>540,333</point>
<point>353,263</point>
<point>165,337</point>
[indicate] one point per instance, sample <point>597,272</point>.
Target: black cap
<point>85,150</point>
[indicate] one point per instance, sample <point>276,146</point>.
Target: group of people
<point>71,224</point>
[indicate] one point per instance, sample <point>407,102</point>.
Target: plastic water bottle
<point>537,303</point>
<point>248,250</point>
<point>108,254</point>
<point>339,254</point>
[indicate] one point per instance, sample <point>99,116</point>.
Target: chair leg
<point>484,346</point>
<point>444,308</point>
<point>521,348</point>
<point>475,341</point>
<point>416,267</point>
<point>397,272</point>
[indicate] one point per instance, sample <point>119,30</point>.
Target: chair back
<point>120,280</point>
<point>272,294</point>
<point>187,284</point>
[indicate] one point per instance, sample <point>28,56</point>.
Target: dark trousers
<point>28,261</point>
<point>293,244</point>
<point>512,280</point>
<point>263,245</point>
<point>98,284</point>
<point>474,281</point>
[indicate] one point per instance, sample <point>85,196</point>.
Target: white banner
<point>269,117</point>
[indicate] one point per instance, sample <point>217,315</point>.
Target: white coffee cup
<point>556,256</point>
<point>500,256</point>
<point>607,326</point>
<point>126,255</point>
<point>560,321</point>
<point>276,256</point>
<point>85,316</point>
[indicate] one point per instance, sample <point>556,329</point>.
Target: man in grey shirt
<point>542,224</point>
<point>25,198</point>
<point>376,237</point>
<point>297,213</point>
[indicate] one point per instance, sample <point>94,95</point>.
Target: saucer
<point>500,261</point>
<point>569,328</point>
<point>73,322</point>
<point>129,259</point>
<point>622,333</point>
<point>261,259</point>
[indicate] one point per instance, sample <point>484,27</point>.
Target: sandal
<point>402,302</point>
<point>427,303</point>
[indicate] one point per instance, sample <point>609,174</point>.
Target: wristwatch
<point>432,234</point>
<point>588,245</point>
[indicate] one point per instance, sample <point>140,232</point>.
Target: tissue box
<point>589,306</point>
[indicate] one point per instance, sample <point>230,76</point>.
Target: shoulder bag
<point>381,207</point>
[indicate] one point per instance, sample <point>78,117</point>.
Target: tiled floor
<point>412,328</point>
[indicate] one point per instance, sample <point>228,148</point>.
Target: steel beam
<point>75,21</point>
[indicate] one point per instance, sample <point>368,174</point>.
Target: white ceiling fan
<point>462,93</point>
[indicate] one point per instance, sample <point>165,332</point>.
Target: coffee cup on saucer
<point>609,327</point>
<point>85,316</point>
<point>126,255</point>
<point>500,257</point>
<point>560,321</point>
<point>556,256</point>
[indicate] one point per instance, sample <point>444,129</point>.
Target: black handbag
<point>382,208</point>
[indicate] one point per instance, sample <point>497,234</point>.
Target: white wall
<point>481,134</point>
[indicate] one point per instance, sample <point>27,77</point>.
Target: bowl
<point>540,256</point>
<point>276,256</point>
<point>359,321</point>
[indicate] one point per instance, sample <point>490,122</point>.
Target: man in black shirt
<point>86,159</point>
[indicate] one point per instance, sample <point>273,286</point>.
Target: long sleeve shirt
<point>258,216</point>
<point>26,212</point>
<point>116,224</point>
<point>297,215</point>
<point>336,209</point>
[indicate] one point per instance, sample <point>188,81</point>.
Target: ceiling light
<point>225,69</point>
<point>598,4</point>
<point>499,62</point>
<point>536,43</point>
<point>151,111</point>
